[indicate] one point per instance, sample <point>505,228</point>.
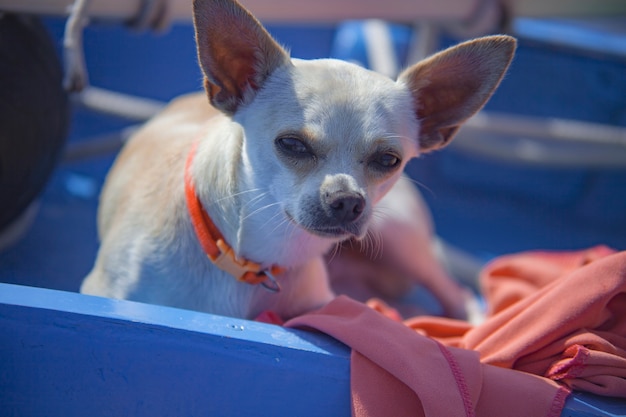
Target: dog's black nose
<point>346,207</point>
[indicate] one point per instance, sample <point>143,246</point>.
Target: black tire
<point>34,112</point>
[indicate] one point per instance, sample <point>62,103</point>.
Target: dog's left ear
<point>452,85</point>
<point>235,51</point>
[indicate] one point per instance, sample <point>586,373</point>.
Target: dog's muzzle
<point>338,210</point>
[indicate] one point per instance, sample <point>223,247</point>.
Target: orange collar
<point>215,246</point>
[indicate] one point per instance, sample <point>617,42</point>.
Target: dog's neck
<point>243,208</point>
<point>214,244</point>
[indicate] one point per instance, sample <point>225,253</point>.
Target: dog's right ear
<point>236,53</point>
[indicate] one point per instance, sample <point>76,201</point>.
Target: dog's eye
<point>386,160</point>
<point>294,147</point>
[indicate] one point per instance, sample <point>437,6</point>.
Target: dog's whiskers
<point>260,209</point>
<point>283,221</point>
<point>237,194</point>
<point>377,241</point>
<point>372,243</point>
<point>366,245</point>
<point>335,251</point>
<point>421,185</point>
<point>250,204</point>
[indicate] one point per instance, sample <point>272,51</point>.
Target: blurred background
<point>543,168</point>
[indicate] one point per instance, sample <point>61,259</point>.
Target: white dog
<point>202,205</point>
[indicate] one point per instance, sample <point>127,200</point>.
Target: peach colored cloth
<point>557,321</point>
<point>561,315</point>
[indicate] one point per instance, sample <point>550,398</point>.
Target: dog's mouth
<point>331,232</point>
<point>328,231</point>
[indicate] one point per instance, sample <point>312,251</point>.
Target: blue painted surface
<point>587,405</point>
<point>66,354</point>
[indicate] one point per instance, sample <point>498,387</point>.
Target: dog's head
<point>329,138</point>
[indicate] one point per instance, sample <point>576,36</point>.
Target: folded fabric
<point>561,315</point>
<point>557,321</point>
<point>398,372</point>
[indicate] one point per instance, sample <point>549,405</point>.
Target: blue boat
<point>543,167</point>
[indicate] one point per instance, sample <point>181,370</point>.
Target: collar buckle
<point>228,262</point>
<point>244,270</point>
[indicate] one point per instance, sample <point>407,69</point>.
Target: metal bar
<point>555,143</point>
<point>269,10</point>
<point>547,128</point>
<point>333,10</point>
<point>569,8</point>
<point>119,104</point>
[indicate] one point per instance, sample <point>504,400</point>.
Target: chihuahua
<point>230,207</point>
